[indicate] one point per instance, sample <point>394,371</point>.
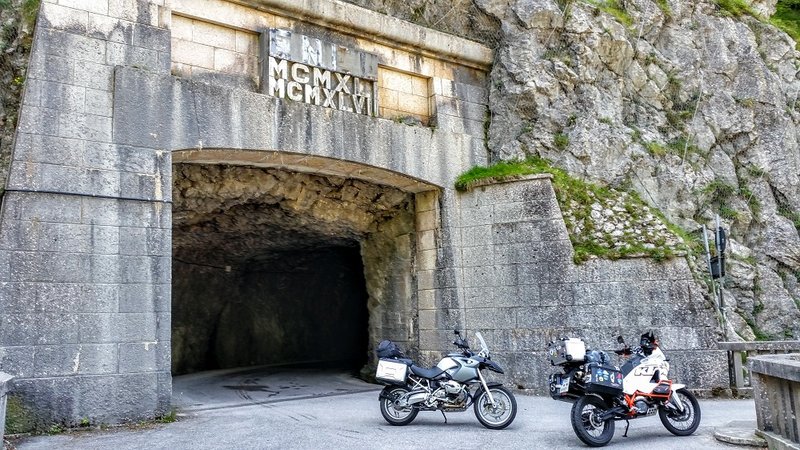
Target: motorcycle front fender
<point>489,384</point>
<point>676,386</point>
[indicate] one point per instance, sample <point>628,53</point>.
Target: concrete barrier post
<point>776,390</point>
<point>4,380</point>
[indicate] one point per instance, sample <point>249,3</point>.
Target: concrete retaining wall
<point>4,381</point>
<point>776,390</point>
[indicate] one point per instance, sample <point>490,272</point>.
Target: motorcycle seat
<point>426,373</point>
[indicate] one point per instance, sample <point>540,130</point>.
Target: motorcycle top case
<point>604,379</point>
<point>388,349</point>
<point>391,371</point>
<point>566,350</point>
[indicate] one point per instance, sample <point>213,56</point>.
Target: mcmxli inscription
<point>309,70</point>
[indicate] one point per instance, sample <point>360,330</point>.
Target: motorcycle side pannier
<point>391,372</point>
<point>604,379</point>
<point>566,350</point>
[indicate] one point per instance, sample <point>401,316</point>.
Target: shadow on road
<point>230,388</point>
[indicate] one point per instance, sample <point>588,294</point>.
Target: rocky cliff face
<point>17,18</point>
<point>691,107</point>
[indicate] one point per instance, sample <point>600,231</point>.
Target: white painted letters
<point>317,86</point>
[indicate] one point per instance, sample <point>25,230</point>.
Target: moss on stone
<point>18,418</point>
<point>787,18</point>
<point>615,9</point>
<point>636,229</point>
<point>735,8</point>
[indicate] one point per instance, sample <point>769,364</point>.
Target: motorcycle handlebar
<point>627,351</point>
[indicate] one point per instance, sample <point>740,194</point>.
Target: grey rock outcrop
<point>694,109</point>
<point>17,19</point>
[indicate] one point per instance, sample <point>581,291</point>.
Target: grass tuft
<point>787,18</point>
<point>735,8</point>
<point>615,9</point>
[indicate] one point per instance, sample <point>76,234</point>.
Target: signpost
<point>716,265</point>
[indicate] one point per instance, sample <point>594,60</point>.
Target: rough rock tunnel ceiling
<point>268,267</point>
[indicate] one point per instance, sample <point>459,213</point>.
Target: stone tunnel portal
<point>272,266</point>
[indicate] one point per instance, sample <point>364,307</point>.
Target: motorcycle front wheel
<point>393,414</point>
<point>587,426</point>
<point>499,415</point>
<point>681,423</point>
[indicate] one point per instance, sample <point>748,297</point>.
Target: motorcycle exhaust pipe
<point>412,398</point>
<point>611,413</point>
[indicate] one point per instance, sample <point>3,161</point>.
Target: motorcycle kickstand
<point>627,425</point>
<point>445,417</point>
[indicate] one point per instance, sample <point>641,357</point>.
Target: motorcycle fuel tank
<point>459,368</point>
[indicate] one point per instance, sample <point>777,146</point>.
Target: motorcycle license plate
<point>564,387</point>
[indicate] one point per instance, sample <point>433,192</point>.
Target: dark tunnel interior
<point>268,266</point>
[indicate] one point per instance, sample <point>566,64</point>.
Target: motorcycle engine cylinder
<point>452,387</point>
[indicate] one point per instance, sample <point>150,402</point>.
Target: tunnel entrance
<point>276,267</point>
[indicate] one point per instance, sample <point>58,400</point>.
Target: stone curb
<point>740,434</point>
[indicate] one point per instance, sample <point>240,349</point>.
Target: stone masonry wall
<point>520,289</point>
<point>85,230</point>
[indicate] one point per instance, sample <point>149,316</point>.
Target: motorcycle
<point>453,385</point>
<point>602,393</point>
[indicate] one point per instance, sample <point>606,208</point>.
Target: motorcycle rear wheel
<point>685,423</point>
<point>589,430</point>
<point>393,414</point>
<point>499,415</point>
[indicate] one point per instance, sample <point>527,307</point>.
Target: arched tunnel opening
<point>274,267</point>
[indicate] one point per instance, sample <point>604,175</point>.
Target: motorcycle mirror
<point>620,340</point>
<point>456,332</point>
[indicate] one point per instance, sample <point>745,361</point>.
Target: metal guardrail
<point>776,385</point>
<point>740,352</point>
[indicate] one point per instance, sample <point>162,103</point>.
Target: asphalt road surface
<point>265,408</point>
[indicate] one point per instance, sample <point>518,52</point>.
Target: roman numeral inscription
<point>308,70</point>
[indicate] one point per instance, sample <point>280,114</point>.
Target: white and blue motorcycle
<point>453,385</point>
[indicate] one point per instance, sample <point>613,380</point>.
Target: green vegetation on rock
<point>602,222</point>
<point>613,8</point>
<point>663,5</point>
<point>500,171</point>
<point>735,8</point>
<point>18,418</point>
<point>787,212</point>
<point>561,141</point>
<point>17,19</point>
<point>787,18</point>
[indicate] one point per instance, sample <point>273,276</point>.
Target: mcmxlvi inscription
<point>309,70</point>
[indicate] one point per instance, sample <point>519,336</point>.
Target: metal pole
<point>721,262</point>
<point>710,271</point>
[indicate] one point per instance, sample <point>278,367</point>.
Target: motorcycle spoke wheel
<point>499,415</point>
<point>394,414</point>
<point>586,423</point>
<point>681,423</point>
